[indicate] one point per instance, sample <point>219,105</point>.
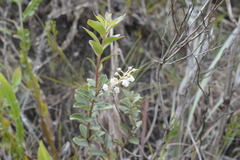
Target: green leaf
<point>6,31</point>
<point>136,98</point>
<point>135,110</point>
<point>117,21</point>
<point>96,153</point>
<point>128,93</point>
<point>31,8</point>
<point>111,22</point>
<point>124,109</point>
<point>91,82</point>
<point>100,133</point>
<point>81,105</point>
<point>134,141</point>
<point>108,140</point>
<point>125,101</point>
<point>106,45</point>
<point>92,35</point>
<point>100,67</point>
<point>78,117</point>
<point>93,137</point>
<point>100,139</point>
<point>16,78</point>
<point>97,26</point>
<point>124,127</point>
<point>80,141</point>
<point>102,107</point>
<point>42,152</point>
<point>95,127</point>
<point>24,36</point>
<point>102,80</point>
<point>107,57</point>
<point>100,19</point>
<point>108,16</point>
<point>92,62</point>
<point>120,18</point>
<point>83,92</point>
<point>138,124</point>
<point>83,130</point>
<point>82,99</point>
<point>118,142</point>
<point>97,47</point>
<point>163,153</point>
<point>89,119</point>
<point>7,92</point>
<point>111,39</point>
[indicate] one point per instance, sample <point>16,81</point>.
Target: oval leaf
<point>83,92</point>
<point>83,130</point>
<point>124,127</point>
<point>134,141</point>
<point>97,153</point>
<point>78,117</point>
<point>80,141</point>
<point>97,26</point>
<point>107,57</point>
<point>91,34</point>
<point>95,127</point>
<point>81,105</point>
<point>80,98</point>
<point>97,47</point>
<point>102,107</point>
<point>108,140</point>
<point>102,80</point>
<point>111,39</point>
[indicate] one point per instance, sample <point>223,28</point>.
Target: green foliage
<point>24,36</point>
<point>97,47</point>
<point>30,78</point>
<point>7,94</point>
<point>88,97</point>
<point>42,152</point>
<point>174,130</point>
<point>31,8</point>
<point>16,79</point>
<point>233,129</point>
<point>103,27</point>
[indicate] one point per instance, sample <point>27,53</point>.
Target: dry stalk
<point>228,90</point>
<point>186,34</point>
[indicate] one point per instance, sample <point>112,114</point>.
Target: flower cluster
<point>123,78</point>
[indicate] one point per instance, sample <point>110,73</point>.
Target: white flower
<point>131,78</point>
<point>116,89</point>
<point>125,82</point>
<point>130,68</point>
<point>105,87</point>
<point>114,81</point>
